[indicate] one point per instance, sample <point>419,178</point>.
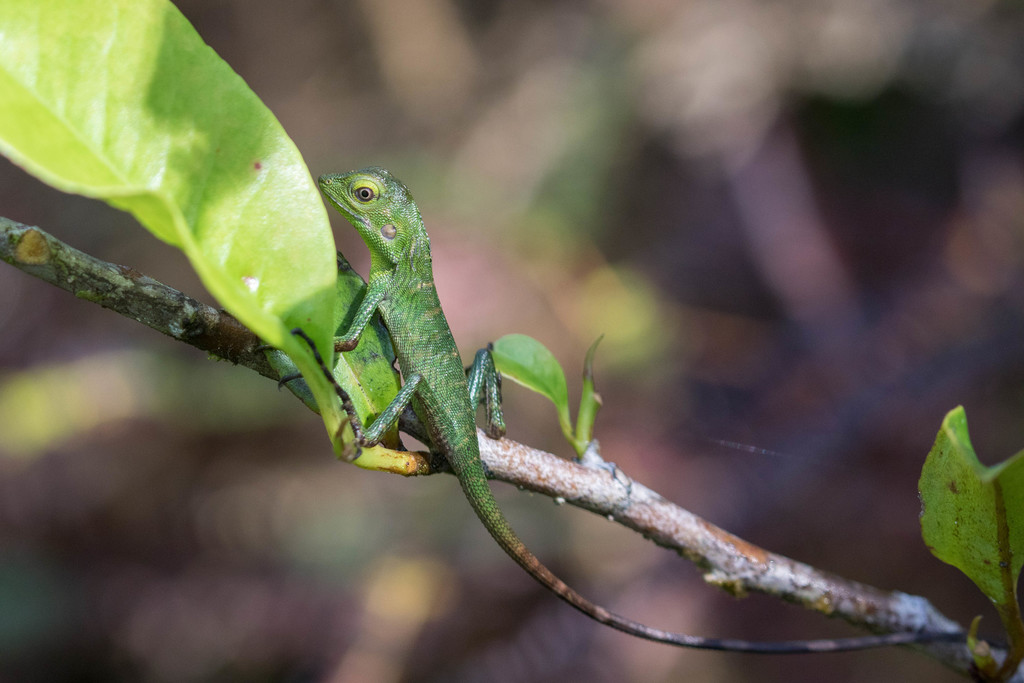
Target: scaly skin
<point>401,286</point>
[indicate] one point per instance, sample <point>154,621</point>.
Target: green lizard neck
<point>396,271</point>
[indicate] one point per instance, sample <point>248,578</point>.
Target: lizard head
<point>379,206</point>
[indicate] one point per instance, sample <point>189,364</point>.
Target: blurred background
<point>797,224</point>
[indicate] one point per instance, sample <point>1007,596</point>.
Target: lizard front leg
<point>367,307</point>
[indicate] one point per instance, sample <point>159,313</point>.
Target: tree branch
<point>131,294</point>
<point>725,560</point>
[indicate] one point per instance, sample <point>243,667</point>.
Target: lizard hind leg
<point>485,389</point>
<point>346,400</point>
<point>371,435</point>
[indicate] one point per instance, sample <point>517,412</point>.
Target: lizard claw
<point>342,345</point>
<point>494,432</point>
<point>288,378</point>
<point>353,448</point>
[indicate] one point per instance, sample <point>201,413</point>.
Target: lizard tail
<point>480,497</point>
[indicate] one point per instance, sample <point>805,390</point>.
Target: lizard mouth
<point>348,213</point>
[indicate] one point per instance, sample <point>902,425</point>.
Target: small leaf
<point>526,361</point>
<point>972,516</point>
<point>980,651</point>
<point>590,400</point>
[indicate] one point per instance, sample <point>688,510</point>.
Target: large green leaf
<point>121,100</point>
<point>972,516</point>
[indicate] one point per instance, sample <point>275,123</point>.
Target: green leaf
<point>121,100</point>
<point>972,516</point>
<point>526,361</point>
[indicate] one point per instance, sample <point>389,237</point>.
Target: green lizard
<point>401,287</point>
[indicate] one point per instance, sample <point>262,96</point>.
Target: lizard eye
<point>365,193</point>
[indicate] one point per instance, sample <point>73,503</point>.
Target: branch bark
<point>725,560</point>
<point>128,292</point>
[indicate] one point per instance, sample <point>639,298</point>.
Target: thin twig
<point>725,560</point>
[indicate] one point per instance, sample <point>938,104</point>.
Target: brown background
<point>798,224</point>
